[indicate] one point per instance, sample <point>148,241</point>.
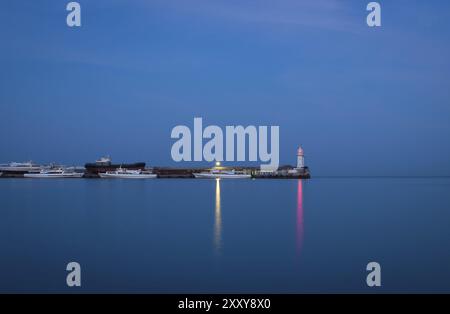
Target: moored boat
<point>54,173</point>
<point>222,174</point>
<point>123,173</point>
<point>104,165</point>
<point>20,167</point>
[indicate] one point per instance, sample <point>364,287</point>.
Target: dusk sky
<point>360,100</point>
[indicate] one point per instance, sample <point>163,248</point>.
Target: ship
<point>219,172</point>
<point>19,167</point>
<point>123,173</point>
<point>104,165</point>
<point>222,174</point>
<point>54,173</point>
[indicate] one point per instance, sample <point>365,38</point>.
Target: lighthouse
<point>300,158</point>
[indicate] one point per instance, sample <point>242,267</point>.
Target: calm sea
<point>187,235</point>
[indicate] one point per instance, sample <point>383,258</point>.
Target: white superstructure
<point>104,161</point>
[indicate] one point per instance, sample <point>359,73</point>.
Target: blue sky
<point>361,101</point>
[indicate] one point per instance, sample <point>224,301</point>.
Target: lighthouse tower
<point>300,158</point>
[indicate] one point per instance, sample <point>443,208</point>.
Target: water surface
<point>187,235</point>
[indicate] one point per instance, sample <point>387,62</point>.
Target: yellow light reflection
<point>217,219</point>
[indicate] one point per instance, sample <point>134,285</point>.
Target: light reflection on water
<point>299,224</point>
<point>217,220</point>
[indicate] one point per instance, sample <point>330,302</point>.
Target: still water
<point>188,235</point>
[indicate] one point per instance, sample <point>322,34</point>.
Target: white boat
<point>222,174</point>
<point>20,167</point>
<point>54,173</point>
<point>122,173</point>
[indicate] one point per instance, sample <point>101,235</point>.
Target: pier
<point>105,165</point>
<point>284,172</point>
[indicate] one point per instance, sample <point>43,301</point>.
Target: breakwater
<point>90,171</point>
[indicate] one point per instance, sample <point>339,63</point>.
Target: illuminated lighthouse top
<point>300,158</point>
